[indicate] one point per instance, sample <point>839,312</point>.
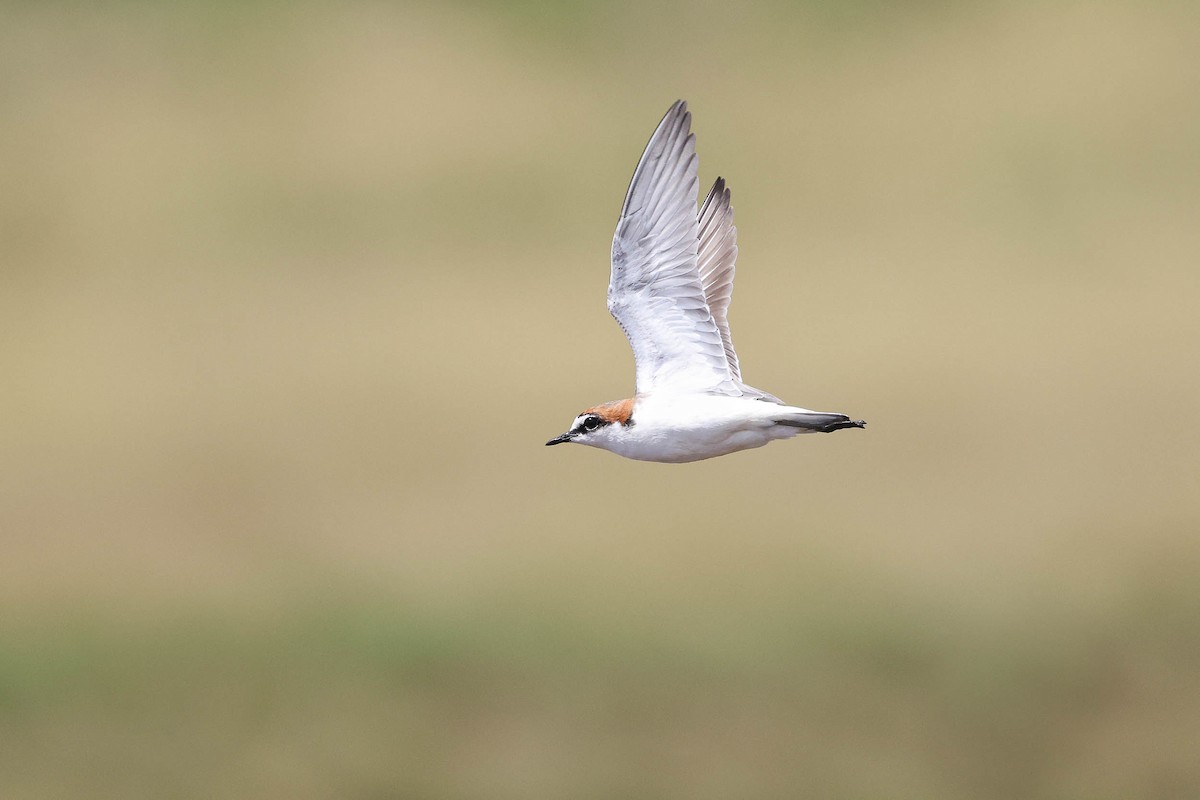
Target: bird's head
<point>599,426</point>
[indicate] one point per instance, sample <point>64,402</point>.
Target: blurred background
<point>293,294</point>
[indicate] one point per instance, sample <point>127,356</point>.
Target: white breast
<point>692,427</point>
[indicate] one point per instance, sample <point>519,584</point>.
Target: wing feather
<point>655,291</point>
<point>716,259</point>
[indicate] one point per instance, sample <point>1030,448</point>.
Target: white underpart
<point>675,428</point>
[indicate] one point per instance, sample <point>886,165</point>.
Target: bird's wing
<point>655,292</point>
<point>716,260</point>
<point>717,256</point>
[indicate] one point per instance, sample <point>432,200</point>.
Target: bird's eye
<point>591,423</point>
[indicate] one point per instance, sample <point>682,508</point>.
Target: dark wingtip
<point>850,423</point>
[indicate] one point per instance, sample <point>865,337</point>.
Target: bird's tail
<point>818,421</point>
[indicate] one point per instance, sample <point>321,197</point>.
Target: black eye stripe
<point>590,422</point>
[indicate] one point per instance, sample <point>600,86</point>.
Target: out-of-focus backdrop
<point>292,295</point>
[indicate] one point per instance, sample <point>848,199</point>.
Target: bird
<point>669,290</point>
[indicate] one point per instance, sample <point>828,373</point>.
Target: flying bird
<point>671,282</point>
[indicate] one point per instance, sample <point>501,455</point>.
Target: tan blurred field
<point>293,295</point>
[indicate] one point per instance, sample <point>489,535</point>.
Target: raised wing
<point>716,259</point>
<point>717,255</point>
<point>655,292</point>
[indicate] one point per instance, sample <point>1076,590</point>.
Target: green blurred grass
<point>293,295</point>
<point>842,692</point>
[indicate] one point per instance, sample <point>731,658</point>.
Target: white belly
<point>695,427</point>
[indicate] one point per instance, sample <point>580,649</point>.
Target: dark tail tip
<point>850,423</point>
<point>822,423</point>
